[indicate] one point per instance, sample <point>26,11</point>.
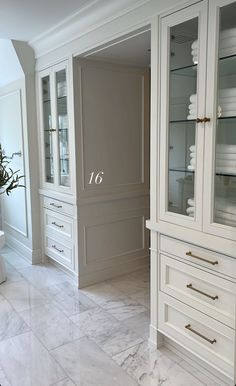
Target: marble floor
<point>51,333</point>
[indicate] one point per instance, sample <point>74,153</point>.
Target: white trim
<point>32,256</point>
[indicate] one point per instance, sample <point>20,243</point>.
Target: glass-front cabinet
<point>55,132</point>
<point>198,118</point>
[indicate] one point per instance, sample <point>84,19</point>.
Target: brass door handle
<point>190,286</point>
<point>203,120</point>
<point>199,120</point>
<point>206,119</point>
<point>201,258</point>
<point>211,341</point>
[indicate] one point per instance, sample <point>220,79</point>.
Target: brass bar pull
<point>57,249</point>
<point>52,130</point>
<point>201,258</point>
<point>57,225</point>
<point>56,206</point>
<point>205,119</point>
<point>190,286</point>
<point>211,341</point>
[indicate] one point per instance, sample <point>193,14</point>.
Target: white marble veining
<point>26,362</point>
<point>52,334</point>
<point>51,326</point>
<point>87,365</point>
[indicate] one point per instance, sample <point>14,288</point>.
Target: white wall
<point>10,68</point>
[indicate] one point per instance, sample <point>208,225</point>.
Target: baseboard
<point>199,364</point>
<point>86,279</point>
<point>32,256</point>
<point>155,337</point>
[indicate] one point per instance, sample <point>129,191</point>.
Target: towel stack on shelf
<point>191,207</point>
<point>227,45</point>
<point>61,89</point>
<point>226,159</point>
<point>192,158</point>
<point>227,102</point>
<point>192,107</point>
<point>225,211</point>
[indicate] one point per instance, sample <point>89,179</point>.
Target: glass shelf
<point>222,118</point>
<point>181,170</point>
<point>183,121</point>
<point>190,71</point>
<point>227,65</point>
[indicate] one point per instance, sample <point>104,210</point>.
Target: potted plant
<point>9,180</point>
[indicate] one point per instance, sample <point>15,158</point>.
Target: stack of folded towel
<point>192,157</point>
<point>192,107</point>
<point>226,159</point>
<point>225,210</point>
<point>227,45</point>
<point>227,102</point>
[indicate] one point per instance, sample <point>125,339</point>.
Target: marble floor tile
<point>102,293</point>
<point>12,273</point>
<point>65,382</point>
<point>123,308</point>
<point>140,324</point>
<point>142,297</point>
<point>26,362</point>
<point>22,295</point>
<point>11,323</point>
<point>14,259</point>
<point>3,379</point>
<point>152,368</point>
<point>129,284</point>
<point>51,326</point>
<point>68,298</point>
<point>42,276</point>
<point>87,365</point>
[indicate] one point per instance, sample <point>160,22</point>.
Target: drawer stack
<point>59,231</point>
<point>197,296</point>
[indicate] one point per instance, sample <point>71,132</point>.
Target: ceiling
<point>26,19</point>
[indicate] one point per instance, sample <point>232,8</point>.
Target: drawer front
<point>204,291</point>
<point>58,206</point>
<point>200,256</point>
<point>212,341</point>
<point>59,251</point>
<point>58,224</point>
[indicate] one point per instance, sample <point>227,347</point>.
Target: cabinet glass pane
<point>225,150</point>
<point>63,130</point>
<point>48,134</point>
<point>183,59</point>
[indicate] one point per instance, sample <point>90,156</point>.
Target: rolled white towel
<point>226,170</point>
<point>225,162</point>
<point>191,214</point>
<point>192,154</point>
<point>191,117</point>
<point>193,161</point>
<point>193,111</point>
<point>194,52</point>
<point>192,106</point>
<point>224,156</point>
<point>223,221</point>
<point>227,92</point>
<point>191,168</point>
<point>193,98</point>
<point>192,148</point>
<point>191,201</point>
<point>195,59</point>
<point>194,45</point>
<point>190,209</point>
<point>225,215</point>
<point>225,148</point>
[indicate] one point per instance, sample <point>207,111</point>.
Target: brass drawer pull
<point>56,206</point>
<point>52,130</point>
<point>205,119</point>
<point>201,258</point>
<point>57,249</point>
<point>199,120</point>
<point>57,225</point>
<point>211,341</point>
<point>190,286</point>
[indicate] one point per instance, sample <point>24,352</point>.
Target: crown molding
<point>89,18</point>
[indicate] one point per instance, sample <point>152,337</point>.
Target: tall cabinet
<point>194,229</point>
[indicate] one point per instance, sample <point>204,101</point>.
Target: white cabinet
<point>194,249</point>
<point>56,133</point>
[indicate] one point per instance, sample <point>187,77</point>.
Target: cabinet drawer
<point>204,291</point>
<point>59,251</point>
<point>61,226</point>
<point>202,335</point>
<point>58,206</point>
<point>200,256</point>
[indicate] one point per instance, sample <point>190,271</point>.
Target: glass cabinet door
<point>63,129</point>
<point>181,148</point>
<point>225,146</point>
<point>48,130</point>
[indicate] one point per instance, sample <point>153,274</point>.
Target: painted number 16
<point>96,178</point>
